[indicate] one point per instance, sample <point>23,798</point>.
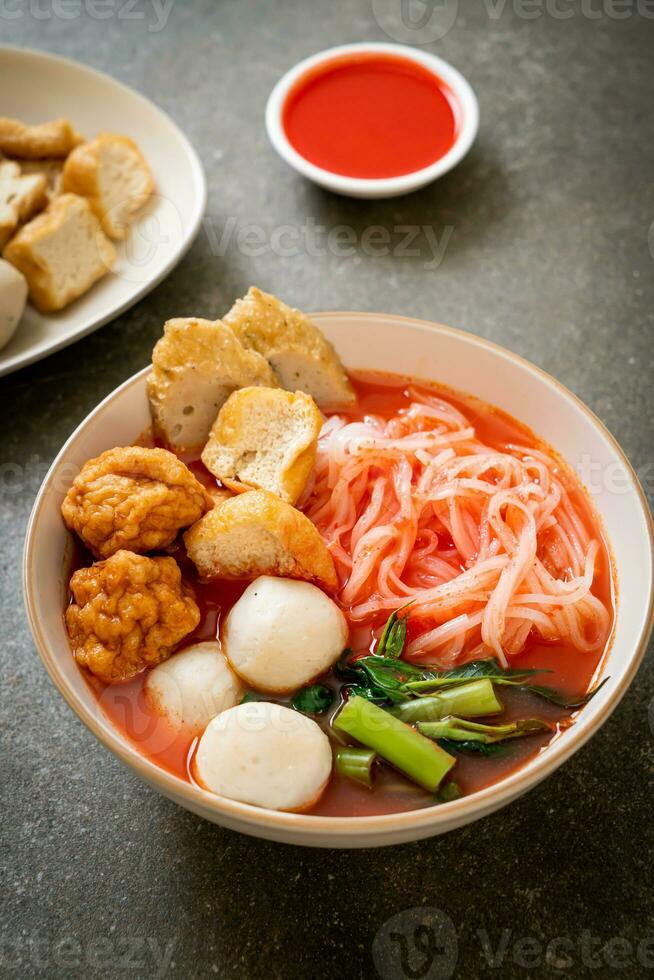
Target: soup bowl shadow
<point>421,350</point>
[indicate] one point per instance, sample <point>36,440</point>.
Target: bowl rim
<point>466,109</point>
<point>422,821</point>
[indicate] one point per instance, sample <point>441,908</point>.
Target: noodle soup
<point>447,514</point>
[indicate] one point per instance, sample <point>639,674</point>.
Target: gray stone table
<point>549,248</point>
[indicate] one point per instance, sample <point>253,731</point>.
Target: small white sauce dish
<point>464,104</point>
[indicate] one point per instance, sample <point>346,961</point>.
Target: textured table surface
<point>541,240</point>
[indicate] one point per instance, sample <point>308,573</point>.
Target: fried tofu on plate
<point>49,140</point>
<point>62,200</point>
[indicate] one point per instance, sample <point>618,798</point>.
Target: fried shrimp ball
<point>128,612</point>
<point>133,498</point>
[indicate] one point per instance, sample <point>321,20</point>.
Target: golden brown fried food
<point>133,498</point>
<point>111,172</point>
<point>61,252</point>
<point>267,438</point>
<point>300,355</point>
<point>129,612</point>
<point>196,366</point>
<point>256,533</point>
<point>50,139</point>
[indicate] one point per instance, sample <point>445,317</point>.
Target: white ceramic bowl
<point>35,87</point>
<point>465,106</point>
<point>421,350</point>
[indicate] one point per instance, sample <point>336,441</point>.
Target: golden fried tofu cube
<point>62,253</point>
<point>300,355</point>
<point>265,438</point>
<point>256,533</point>
<point>196,366</point>
<point>113,175</point>
<point>46,140</point>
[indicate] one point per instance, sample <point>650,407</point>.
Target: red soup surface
<point>571,671</point>
<point>370,116</point>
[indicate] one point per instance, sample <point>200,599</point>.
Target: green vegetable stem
<point>460,730</point>
<point>416,756</point>
<point>472,700</point>
<point>355,764</point>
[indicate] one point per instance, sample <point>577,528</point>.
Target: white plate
<point>36,87</point>
<point>420,350</point>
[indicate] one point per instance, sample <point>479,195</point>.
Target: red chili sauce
<point>572,672</point>
<point>370,116</point>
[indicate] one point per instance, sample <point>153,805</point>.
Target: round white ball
<point>265,754</point>
<point>13,296</point>
<point>193,686</point>
<point>282,634</point>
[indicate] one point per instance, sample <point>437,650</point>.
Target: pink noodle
<point>486,543</point>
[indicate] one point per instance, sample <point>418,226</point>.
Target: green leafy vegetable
<point>251,696</point>
<point>550,694</point>
<point>378,679</point>
<point>426,694</point>
<point>479,748</point>
<point>471,671</point>
<point>402,668</point>
<point>490,668</point>
<point>367,691</point>
<point>384,677</point>
<point>433,681</point>
<point>313,700</point>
